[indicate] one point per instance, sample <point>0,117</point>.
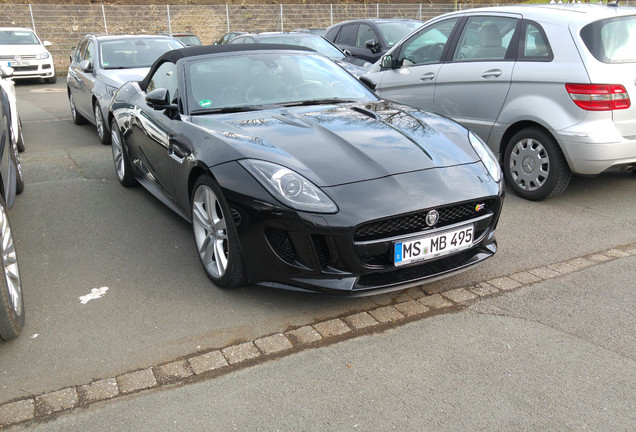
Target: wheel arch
<point>518,126</point>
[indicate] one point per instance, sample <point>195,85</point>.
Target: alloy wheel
<point>99,122</point>
<point>118,155</point>
<point>210,231</point>
<point>9,263</point>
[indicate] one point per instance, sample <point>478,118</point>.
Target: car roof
<point>195,51</point>
<point>16,28</point>
<point>104,37</point>
<point>582,13</point>
<point>376,20</point>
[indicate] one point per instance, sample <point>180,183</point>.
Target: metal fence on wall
<point>64,25</point>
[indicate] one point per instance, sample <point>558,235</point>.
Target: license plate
<point>19,63</point>
<point>433,246</point>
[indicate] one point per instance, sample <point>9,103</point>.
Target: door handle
<point>427,76</point>
<point>177,153</point>
<point>492,73</point>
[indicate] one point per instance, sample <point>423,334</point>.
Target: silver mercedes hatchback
<point>546,86</point>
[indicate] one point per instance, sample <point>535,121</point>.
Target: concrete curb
<point>205,365</point>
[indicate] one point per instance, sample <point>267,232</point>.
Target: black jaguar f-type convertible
<point>295,175</point>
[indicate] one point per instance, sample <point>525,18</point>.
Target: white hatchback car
<point>26,54</point>
<point>548,87</point>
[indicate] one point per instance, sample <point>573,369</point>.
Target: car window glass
<point>612,40</point>
<point>534,43</point>
<point>90,52</point>
<point>268,79</point>
<point>347,35</point>
<point>18,37</point>
<point>79,51</point>
<point>129,53</point>
<point>237,40</point>
<point>365,33</point>
<point>428,44</point>
<point>165,77</point>
<point>394,32</point>
<point>485,38</point>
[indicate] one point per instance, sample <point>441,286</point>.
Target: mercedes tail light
<point>599,97</point>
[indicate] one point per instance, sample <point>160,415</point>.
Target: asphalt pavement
<point>554,355</point>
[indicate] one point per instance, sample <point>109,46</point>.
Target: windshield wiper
<point>225,110</point>
<point>318,102</point>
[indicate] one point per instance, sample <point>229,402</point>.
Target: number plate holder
<point>433,245</point>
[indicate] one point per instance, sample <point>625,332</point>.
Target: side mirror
<point>86,66</point>
<point>368,82</point>
<point>386,62</point>
<point>372,44</point>
<point>6,71</point>
<point>46,43</point>
<point>159,99</point>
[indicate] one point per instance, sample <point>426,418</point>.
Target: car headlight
<point>486,156</point>
<point>289,187</point>
<point>110,91</point>
<point>43,56</point>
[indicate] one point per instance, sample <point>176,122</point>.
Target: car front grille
<point>415,222</point>
<point>373,241</point>
<point>22,57</point>
<point>25,68</point>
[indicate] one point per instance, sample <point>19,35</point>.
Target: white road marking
<point>95,294</point>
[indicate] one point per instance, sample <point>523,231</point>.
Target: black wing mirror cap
<point>373,45</point>
<point>159,99</point>
<point>368,82</point>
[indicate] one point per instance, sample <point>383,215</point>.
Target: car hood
<point>22,50</point>
<point>117,77</point>
<point>346,143</point>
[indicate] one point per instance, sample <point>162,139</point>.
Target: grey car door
<point>84,82</point>
<point>419,61</point>
<point>472,87</point>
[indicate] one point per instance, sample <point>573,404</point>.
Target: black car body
<point>369,39</point>
<point>319,189</point>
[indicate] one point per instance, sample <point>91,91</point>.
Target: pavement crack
<point>76,165</point>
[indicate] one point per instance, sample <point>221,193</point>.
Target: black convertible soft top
<point>194,51</point>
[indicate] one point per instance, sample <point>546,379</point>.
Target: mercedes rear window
<point>612,40</point>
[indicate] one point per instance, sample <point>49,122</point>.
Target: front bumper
<point>34,69</point>
<point>350,253</point>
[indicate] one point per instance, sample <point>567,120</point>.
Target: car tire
<point>100,125</point>
<point>534,165</point>
<point>21,147</point>
<point>11,300</point>
<point>51,80</point>
<point>78,119</point>
<point>123,167</point>
<point>17,165</point>
<point>215,235</point>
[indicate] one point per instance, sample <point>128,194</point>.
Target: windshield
<point>249,80</point>
<point>131,53</point>
<point>612,40</point>
<point>18,37</point>
<point>395,31</point>
<point>189,40</point>
<point>316,43</point>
